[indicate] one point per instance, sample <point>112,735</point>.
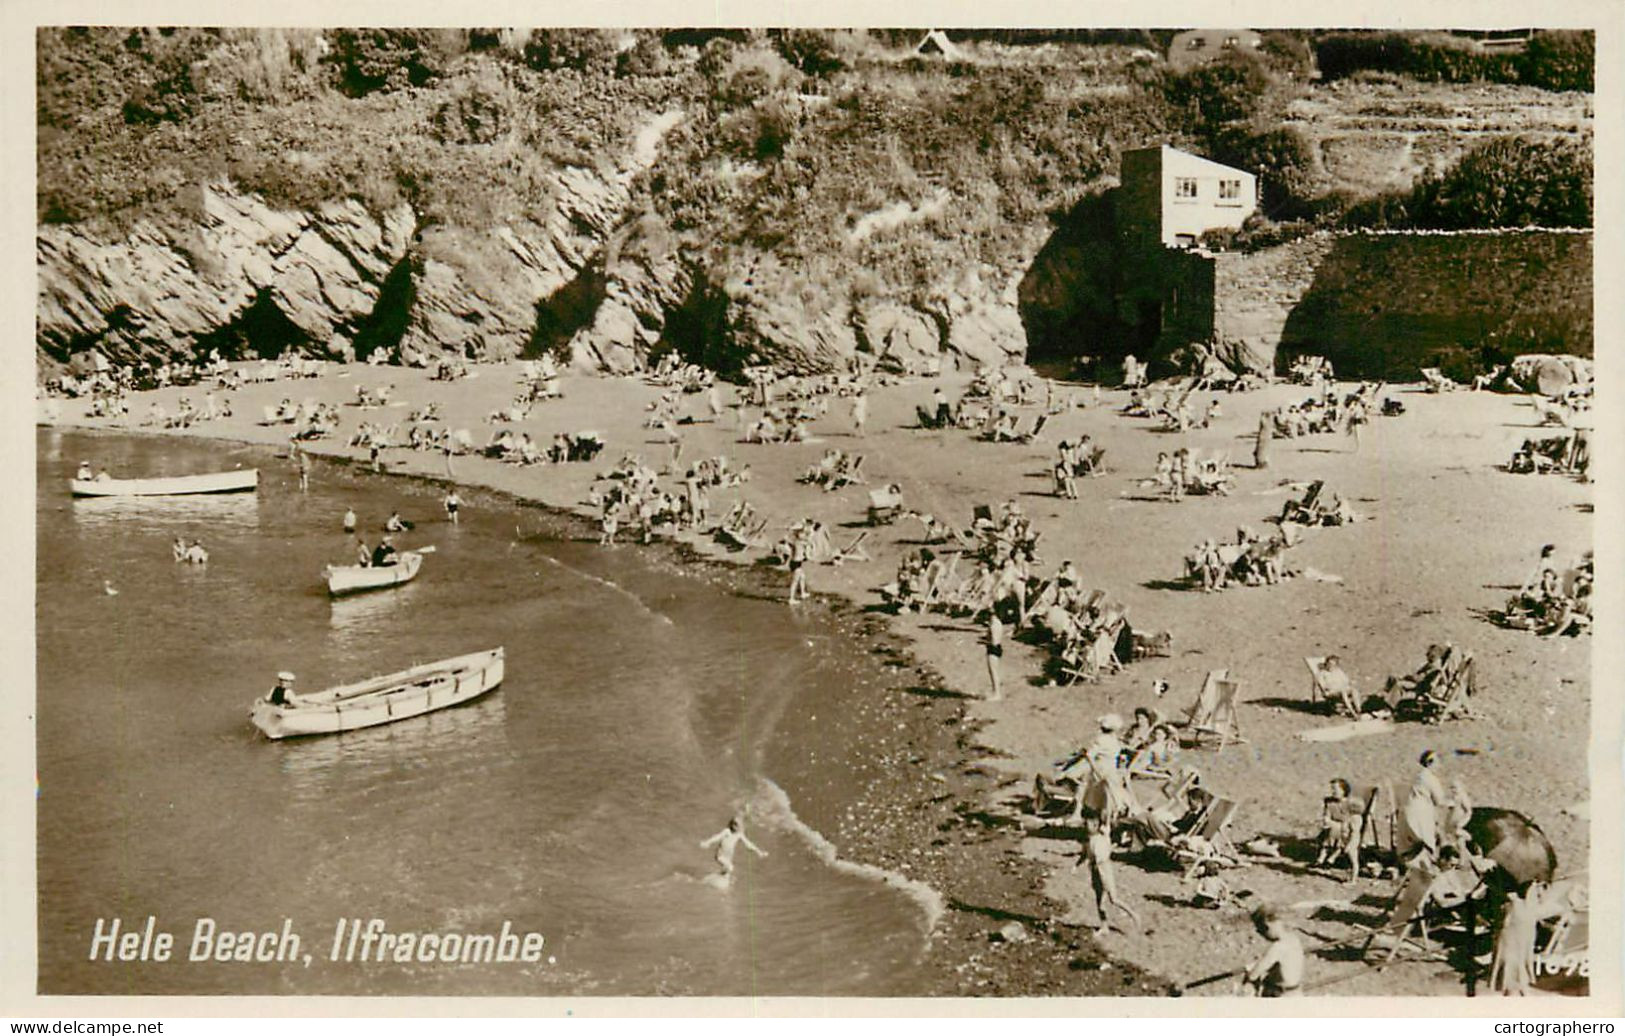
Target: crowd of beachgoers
<point>954,540</point>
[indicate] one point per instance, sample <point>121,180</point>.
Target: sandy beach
<point>935,781</point>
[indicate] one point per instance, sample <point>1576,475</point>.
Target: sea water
<point>569,802</point>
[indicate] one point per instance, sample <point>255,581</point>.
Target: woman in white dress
<point>1419,822</point>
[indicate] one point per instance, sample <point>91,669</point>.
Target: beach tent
<point>937,42</point>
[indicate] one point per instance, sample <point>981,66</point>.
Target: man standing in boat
<point>282,693</point>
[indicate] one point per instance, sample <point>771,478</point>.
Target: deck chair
<point>852,551</point>
<point>1369,832</point>
<point>1212,828</point>
<point>1318,690</point>
<point>1455,686</point>
<point>1217,700</point>
<point>1425,894</point>
<point>1038,429</point>
<point>884,505</point>
<point>1406,910</point>
<point>851,476</point>
<point>1202,709</point>
<point>1436,382</point>
<point>1091,461</point>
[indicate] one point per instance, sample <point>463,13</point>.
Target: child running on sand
<point>1097,853</point>
<point>727,840</point>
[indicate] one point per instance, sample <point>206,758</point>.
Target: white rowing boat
<point>179,485</point>
<point>382,699</point>
<point>350,579</point>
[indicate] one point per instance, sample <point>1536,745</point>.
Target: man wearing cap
<point>282,693</point>
<point>85,474</point>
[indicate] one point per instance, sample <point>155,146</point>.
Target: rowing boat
<point>382,699</point>
<point>350,579</point>
<point>178,485</point>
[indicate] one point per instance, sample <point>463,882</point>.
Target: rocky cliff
<point>788,198</point>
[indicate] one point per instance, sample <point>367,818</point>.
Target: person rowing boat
<point>385,553</point>
<point>282,694</point>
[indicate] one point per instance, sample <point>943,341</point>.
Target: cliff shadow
<point>383,328</point>
<point>260,331</point>
<point>566,311</point>
<point>1068,300</point>
<point>1384,306</point>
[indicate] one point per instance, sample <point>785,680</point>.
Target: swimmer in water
<point>726,841</point>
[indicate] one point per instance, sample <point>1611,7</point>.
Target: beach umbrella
<point>1514,842</point>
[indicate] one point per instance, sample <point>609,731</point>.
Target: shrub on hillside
<point>646,57</point>
<point>1287,52</point>
<point>476,115</point>
<point>1516,182</point>
<point>812,51</point>
<point>1283,161</point>
<point>580,49</point>
<point>1216,94</point>
<point>1506,182</point>
<point>170,99</point>
<point>1553,60</point>
<point>389,59</point>
<point>1560,60</point>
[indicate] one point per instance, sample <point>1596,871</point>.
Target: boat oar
<point>420,550</point>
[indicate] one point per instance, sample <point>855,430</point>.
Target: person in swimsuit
<point>727,841</point>
<point>1097,853</point>
<point>452,503</point>
<point>798,566</point>
<point>994,642</point>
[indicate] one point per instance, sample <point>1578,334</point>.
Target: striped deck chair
<point>1213,714</point>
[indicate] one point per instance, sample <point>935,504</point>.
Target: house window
<point>1229,190</point>
<point>1184,186</point>
<point>1196,43</point>
<point>1231,42</point>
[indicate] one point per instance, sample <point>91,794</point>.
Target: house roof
<point>1188,161</point>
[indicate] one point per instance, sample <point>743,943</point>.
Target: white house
<point>1175,197</point>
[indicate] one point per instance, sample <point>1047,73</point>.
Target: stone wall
<point>1385,305</point>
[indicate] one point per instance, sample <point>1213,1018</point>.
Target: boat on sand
<point>242,480</point>
<point>382,699</point>
<point>350,579</point>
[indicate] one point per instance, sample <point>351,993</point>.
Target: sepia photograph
<point>825,512</point>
